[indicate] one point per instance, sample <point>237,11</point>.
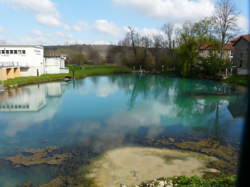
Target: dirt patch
<point>133,165</point>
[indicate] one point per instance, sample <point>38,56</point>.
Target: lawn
<point>83,71</point>
<point>238,79</point>
<point>80,72</point>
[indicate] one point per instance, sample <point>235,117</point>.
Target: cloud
<point>171,10</point>
<point>99,42</point>
<point>42,7</point>
<point>81,26</point>
<point>64,35</point>
<point>101,26</point>
<point>2,29</point>
<point>38,37</point>
<point>47,13</point>
<point>149,31</point>
<point>109,28</point>
<point>48,20</point>
<point>243,24</point>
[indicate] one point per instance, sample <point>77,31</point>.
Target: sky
<point>60,22</point>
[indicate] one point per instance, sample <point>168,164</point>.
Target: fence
<point>13,64</point>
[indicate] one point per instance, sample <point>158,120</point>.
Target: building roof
<point>244,37</point>
<point>227,46</point>
<point>33,46</point>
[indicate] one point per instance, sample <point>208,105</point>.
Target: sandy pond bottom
<point>134,165</point>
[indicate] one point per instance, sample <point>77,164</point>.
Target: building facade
<point>241,54</point>
<point>24,60</point>
<point>206,50</point>
<point>51,65</point>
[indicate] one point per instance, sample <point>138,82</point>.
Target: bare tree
<point>168,29</point>
<point>226,17</point>
<point>126,41</point>
<point>134,39</point>
<point>158,41</point>
<point>146,43</point>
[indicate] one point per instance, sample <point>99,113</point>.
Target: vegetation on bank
<point>21,81</point>
<point>238,79</point>
<point>83,71</point>
<point>182,181</point>
<point>79,71</point>
<point>193,50</point>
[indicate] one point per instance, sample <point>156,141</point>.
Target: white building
<point>54,65</point>
<point>31,61</point>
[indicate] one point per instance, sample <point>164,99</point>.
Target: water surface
<point>104,112</point>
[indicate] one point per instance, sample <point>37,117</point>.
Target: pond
<point>46,127</point>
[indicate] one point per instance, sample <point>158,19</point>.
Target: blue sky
<point>98,21</point>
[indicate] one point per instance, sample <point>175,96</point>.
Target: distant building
<point>241,54</point>
<point>28,60</point>
<point>206,50</point>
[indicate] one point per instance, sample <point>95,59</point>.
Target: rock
<point>171,140</point>
<point>28,184</point>
<point>212,170</point>
<point>161,184</point>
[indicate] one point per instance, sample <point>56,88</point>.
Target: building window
<point>7,52</point>
<point>241,63</point>
<point>11,51</point>
<point>23,51</point>
<point>15,51</point>
<point>3,51</point>
<point>19,51</point>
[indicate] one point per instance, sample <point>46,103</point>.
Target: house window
<point>7,52</point>
<point>23,51</point>
<point>241,62</point>
<point>11,51</point>
<point>15,51</point>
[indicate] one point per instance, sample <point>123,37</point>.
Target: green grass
<point>197,181</point>
<point>182,181</point>
<point>81,72</point>
<point>84,71</point>
<point>238,79</point>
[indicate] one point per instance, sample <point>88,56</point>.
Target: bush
<point>77,59</point>
<point>182,181</point>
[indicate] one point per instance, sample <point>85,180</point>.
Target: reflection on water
<point>101,113</point>
<point>24,107</point>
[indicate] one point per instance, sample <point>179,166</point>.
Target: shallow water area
<point>89,117</point>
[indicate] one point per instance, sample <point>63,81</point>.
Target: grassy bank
<point>182,181</point>
<point>238,79</point>
<point>83,71</point>
<point>80,72</point>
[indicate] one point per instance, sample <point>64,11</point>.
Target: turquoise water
<point>104,112</point>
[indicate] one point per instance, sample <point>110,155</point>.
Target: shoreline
<point>68,77</point>
<point>46,78</point>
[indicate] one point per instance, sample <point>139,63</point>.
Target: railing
<point>13,64</point>
<point>1,88</point>
<point>64,70</point>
